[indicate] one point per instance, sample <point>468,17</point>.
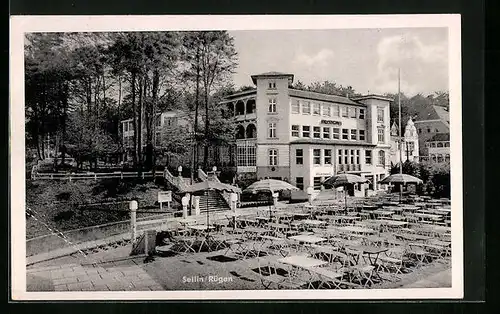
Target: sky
<point>366,59</point>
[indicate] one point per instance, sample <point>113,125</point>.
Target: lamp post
<point>133,222</point>
<point>179,169</point>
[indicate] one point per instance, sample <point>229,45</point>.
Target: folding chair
<point>360,269</point>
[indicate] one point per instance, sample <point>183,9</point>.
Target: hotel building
<point>305,137</point>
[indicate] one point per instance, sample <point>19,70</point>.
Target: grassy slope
<point>55,202</point>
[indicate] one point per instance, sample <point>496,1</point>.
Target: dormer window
<point>272,85</point>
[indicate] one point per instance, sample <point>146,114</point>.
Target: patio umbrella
<point>401,178</point>
<point>210,185</point>
<point>270,185</point>
<point>344,179</point>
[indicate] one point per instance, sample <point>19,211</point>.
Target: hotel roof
<point>272,74</point>
<point>322,97</point>
<point>432,112</point>
<point>370,96</point>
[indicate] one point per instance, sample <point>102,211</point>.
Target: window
<point>316,109</point>
<point>345,112</point>
<point>299,182</point>
<point>299,156</point>
<point>272,104</point>
<point>352,112</point>
<point>352,156</point>
<point>436,130</point>
<point>439,144</point>
<point>346,156</point>
<point>317,156</point>
<point>336,133</point>
<point>447,157</point>
<point>273,157</point>
<point>327,156</point>
<point>381,135</point>
<point>295,106</point>
<point>325,110</point>
<point>433,144</point>
<point>326,132</point>
<point>447,144</point>
<point>295,131</point>
<point>272,85</point>
<point>272,130</point>
<point>380,115</point>
<point>345,134</point>
<point>306,131</point>
<point>419,131</point>
<point>357,156</point>
<point>340,156</point>
<point>336,110</point>
<point>316,132</point>
<point>125,127</point>
<point>246,156</point>
<point>433,158</point>
<point>361,113</point>
<point>361,135</point>
<point>428,130</point>
<point>306,108</point>
<point>381,158</point>
<point>368,157</point>
<point>440,158</point>
<point>354,134</point>
<point>317,183</point>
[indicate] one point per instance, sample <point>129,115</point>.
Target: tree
<point>210,59</point>
<point>327,87</point>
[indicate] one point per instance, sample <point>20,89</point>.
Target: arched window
<point>251,131</point>
<point>440,158</point>
<point>240,132</point>
<point>240,108</point>
<point>439,144</point>
<point>251,106</point>
<point>381,158</point>
<point>433,144</point>
<point>447,157</point>
<point>447,144</point>
<point>433,158</point>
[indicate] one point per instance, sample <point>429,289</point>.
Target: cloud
<point>424,66</point>
<point>321,58</point>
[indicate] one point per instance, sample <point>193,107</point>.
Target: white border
<point>22,24</point>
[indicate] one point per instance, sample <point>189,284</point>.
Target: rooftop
<point>323,97</point>
<point>440,137</point>
<point>432,112</point>
<point>373,96</point>
<point>272,74</point>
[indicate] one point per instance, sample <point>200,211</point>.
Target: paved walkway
<point>439,280</point>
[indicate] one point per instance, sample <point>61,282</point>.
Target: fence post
<point>133,220</point>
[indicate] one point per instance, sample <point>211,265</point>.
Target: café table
<point>372,252</point>
<point>278,226</point>
<point>412,237</point>
<point>310,239</point>
<point>302,261</point>
<point>313,223</point>
<point>356,229</point>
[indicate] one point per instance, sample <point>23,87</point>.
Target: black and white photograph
<point>253,157</point>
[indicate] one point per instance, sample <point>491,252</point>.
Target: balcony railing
<point>348,168</point>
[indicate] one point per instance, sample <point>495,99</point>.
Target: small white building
<point>410,143</point>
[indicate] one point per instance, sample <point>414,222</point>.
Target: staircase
<point>214,200</point>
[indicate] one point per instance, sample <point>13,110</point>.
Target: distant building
<point>429,121</point>
<point>410,143</point>
<point>438,148</point>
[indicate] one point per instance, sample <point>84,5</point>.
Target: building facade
<point>438,148</point>
<point>429,121</point>
<point>305,137</point>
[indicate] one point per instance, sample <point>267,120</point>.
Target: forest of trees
<point>79,86</point>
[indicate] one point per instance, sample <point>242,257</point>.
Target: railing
<point>348,167</point>
<point>90,176</point>
<point>177,181</point>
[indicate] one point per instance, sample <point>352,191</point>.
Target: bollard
<point>185,202</point>
<point>133,220</point>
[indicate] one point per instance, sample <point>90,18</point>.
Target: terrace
<point>374,243</point>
